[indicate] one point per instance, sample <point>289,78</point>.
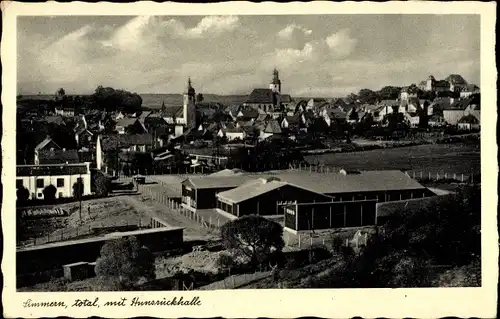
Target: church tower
<point>275,85</point>
<point>189,108</point>
<point>430,83</point>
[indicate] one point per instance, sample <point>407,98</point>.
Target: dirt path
<point>152,208</point>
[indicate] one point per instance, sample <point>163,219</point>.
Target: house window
<point>40,195</point>
<point>19,183</point>
<point>60,182</point>
<point>39,183</point>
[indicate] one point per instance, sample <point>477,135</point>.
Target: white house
<point>232,133</point>
<point>35,178</point>
<point>468,122</point>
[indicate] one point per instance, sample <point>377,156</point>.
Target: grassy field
<point>436,158</point>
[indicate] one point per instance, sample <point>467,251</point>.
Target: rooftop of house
<point>273,127</point>
<point>48,140</point>
<point>52,169</point>
<point>462,104</point>
<point>111,142</point>
<point>59,120</point>
<point>286,98</point>
<point>126,121</point>
<point>261,96</point>
<point>58,156</point>
<point>470,119</point>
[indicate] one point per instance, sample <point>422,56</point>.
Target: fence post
<point>421,173</point>
<point>462,178</point>
<point>445,175</point>
<point>218,222</point>
<point>455,176</point>
<point>429,175</point>
<point>299,241</point>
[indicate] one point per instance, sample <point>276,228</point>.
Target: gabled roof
<point>389,102</point>
<point>55,119</point>
<point>48,140</point>
<point>273,127</point>
<point>286,98</point>
<point>318,100</point>
<point>250,113</point>
<point>111,142</point>
<point>204,182</point>
<point>258,187</point>
<point>125,122</point>
<point>336,113</point>
<point>461,104</point>
<point>261,96</point>
<point>58,156</point>
<point>233,109</point>
<point>471,119</point>
<point>321,183</point>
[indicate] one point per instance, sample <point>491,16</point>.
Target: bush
<point>49,193</point>
<point>226,262</point>
<point>22,194</point>
<point>123,262</point>
<point>255,237</point>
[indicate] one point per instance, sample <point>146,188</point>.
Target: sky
<point>316,55</point>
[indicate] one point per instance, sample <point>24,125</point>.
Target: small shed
<point>76,271</point>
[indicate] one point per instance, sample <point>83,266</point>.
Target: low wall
<point>39,263</point>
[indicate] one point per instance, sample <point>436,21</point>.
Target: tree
<point>78,188</point>
<point>102,185</point>
<point>253,236</point>
<point>352,98</point>
<point>22,194</point>
<point>199,98</point>
<point>60,94</point>
<point>367,96</point>
<point>49,193</point>
<point>123,262</point>
<point>111,100</point>
<point>389,93</point>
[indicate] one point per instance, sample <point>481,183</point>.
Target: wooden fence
<point>87,230</point>
<point>236,281</point>
<point>211,224</point>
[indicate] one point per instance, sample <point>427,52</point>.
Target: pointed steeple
<point>189,88</point>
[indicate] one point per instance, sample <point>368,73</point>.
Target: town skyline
<point>231,55</point>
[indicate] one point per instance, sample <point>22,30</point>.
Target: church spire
<point>190,89</point>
